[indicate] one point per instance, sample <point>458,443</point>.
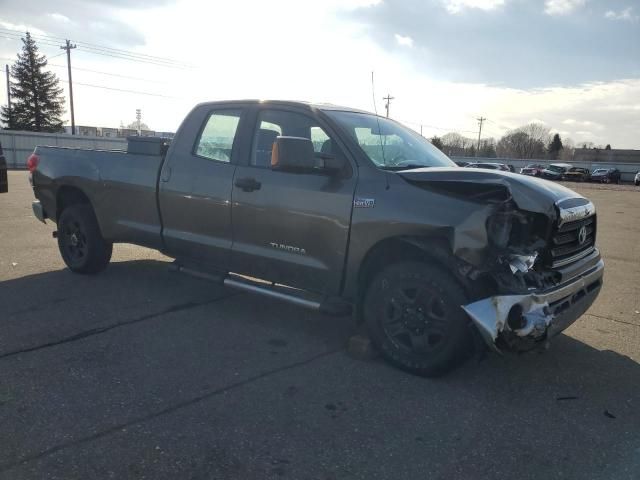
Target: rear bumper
<point>38,211</point>
<point>520,322</point>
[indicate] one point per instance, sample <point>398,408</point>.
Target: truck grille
<point>573,241</point>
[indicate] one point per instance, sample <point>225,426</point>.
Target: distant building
<point>164,134</point>
<point>83,130</point>
<point>87,131</point>
<point>111,132</point>
<point>597,155</point>
<point>127,132</point>
<point>107,132</point>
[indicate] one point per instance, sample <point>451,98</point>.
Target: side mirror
<point>293,154</point>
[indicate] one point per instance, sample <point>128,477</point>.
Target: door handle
<point>166,174</point>
<point>247,184</point>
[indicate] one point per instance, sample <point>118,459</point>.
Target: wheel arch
<point>68,195</point>
<point>433,249</point>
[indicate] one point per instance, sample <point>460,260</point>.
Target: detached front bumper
<point>519,322</point>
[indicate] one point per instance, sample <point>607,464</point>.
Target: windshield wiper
<point>403,167</point>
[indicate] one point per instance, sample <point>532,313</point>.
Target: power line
<point>129,77</point>
<point>101,72</point>
<point>103,50</point>
<point>135,59</point>
<point>498,125</point>
<point>126,90</point>
<point>435,127</point>
<point>47,44</point>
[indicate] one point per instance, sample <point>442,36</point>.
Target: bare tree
<point>455,144</point>
<point>528,141</point>
<point>568,148</point>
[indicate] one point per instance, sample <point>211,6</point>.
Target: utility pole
<point>6,69</point>
<point>480,121</point>
<point>138,118</point>
<point>68,47</point>
<point>388,99</point>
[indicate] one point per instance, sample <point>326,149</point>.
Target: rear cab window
<point>215,141</point>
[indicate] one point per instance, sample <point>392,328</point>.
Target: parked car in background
<point>462,164</point>
<point>555,171</point>
<point>4,182</point>
<point>533,169</point>
<point>490,166</point>
<point>637,179</point>
<point>577,174</point>
<point>606,175</point>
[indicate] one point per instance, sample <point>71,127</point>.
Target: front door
<point>291,228</point>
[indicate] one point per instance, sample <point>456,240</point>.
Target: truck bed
<point>121,186</point>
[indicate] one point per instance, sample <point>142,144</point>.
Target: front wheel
<point>80,241</point>
<point>414,316</point>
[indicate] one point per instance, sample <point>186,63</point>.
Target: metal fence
<point>19,145</point>
<point>627,170</point>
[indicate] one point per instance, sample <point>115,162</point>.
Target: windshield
<point>600,170</point>
<point>556,168</point>
<point>388,144</point>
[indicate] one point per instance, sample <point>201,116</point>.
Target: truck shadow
<point>533,404</point>
<point>51,306</point>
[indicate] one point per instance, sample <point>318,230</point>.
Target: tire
<point>80,241</point>
<point>413,315</point>
<point>637,184</point>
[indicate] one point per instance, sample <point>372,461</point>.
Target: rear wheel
<point>414,316</point>
<point>80,241</point>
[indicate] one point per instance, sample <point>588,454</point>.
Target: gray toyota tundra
<point>340,211</point>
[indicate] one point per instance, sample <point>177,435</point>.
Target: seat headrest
<point>266,138</point>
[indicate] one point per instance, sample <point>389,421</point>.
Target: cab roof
<point>289,103</point>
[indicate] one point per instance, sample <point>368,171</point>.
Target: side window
<point>274,123</point>
<point>318,138</point>
<point>216,139</point>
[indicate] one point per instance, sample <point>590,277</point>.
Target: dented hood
<point>529,193</point>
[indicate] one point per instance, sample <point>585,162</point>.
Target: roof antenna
<point>375,109</point>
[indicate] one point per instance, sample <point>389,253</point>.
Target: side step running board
<point>329,306</point>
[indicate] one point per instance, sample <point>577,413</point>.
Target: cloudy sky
<point>572,64</point>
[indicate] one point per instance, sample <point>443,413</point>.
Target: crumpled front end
<point>520,322</point>
<point>526,250</point>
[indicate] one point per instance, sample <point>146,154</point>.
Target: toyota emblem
<point>582,235</point>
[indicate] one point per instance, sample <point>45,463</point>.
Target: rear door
<point>195,186</point>
<point>291,228</point>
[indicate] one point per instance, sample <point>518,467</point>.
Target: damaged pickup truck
<point>340,211</point>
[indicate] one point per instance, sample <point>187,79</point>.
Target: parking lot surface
<point>143,373</point>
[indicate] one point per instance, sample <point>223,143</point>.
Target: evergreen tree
<point>36,97</point>
<point>437,142</point>
<point>608,147</point>
<point>554,147</point>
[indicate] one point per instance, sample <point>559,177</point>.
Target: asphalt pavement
<point>141,372</point>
